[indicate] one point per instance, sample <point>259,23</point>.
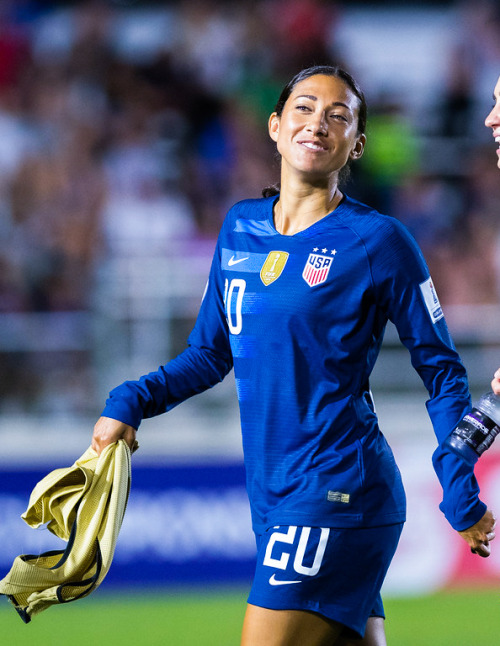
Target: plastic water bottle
<point>476,431</point>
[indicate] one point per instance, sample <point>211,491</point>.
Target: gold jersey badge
<point>273,267</point>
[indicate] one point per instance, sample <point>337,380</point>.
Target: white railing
<point>144,308</point>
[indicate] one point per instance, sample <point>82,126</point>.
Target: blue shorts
<point>337,573</point>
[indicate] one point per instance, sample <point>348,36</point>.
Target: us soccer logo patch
<point>317,268</point>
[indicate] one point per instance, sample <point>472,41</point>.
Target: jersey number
<point>298,563</point>
<point>233,291</point>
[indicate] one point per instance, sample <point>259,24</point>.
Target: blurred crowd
<point>127,128</point>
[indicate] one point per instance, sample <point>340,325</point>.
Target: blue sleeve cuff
<point>119,408</point>
<point>461,504</point>
<point>472,518</point>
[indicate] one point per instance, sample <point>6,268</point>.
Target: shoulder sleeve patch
<point>431,300</point>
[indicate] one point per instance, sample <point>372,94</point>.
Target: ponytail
<point>272,190</point>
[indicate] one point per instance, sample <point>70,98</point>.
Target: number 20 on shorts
<point>278,539</point>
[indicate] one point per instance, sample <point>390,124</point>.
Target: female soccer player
<point>493,121</point>
<point>301,287</point>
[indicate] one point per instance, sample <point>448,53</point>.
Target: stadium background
<point>126,131</point>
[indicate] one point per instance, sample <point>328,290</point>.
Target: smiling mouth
<point>311,145</point>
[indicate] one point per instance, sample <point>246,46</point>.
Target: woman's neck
<point>300,207</point>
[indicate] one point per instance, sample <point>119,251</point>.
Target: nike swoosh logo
<point>234,261</point>
<point>274,581</point>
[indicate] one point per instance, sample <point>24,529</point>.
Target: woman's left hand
<point>479,535</point>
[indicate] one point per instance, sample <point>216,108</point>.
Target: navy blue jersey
<point>302,319</point>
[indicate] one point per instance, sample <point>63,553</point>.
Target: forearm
<point>192,372</point>
<point>461,504</point>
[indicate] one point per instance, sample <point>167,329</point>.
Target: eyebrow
<point>315,98</point>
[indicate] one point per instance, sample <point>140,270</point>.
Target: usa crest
<point>317,269</point>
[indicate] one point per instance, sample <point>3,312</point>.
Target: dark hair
<point>326,70</point>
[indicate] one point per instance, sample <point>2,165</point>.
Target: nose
<point>493,119</point>
<point>318,124</point>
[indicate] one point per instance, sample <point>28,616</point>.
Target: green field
<point>196,619</point>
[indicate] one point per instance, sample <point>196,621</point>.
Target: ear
<point>359,147</point>
<point>274,126</point>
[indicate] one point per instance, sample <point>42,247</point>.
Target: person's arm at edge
<point>495,383</point>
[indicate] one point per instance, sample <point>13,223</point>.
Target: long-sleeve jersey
<point>302,319</point>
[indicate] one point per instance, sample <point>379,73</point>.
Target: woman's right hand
<point>108,430</point>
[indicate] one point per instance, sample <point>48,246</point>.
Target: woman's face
<point>317,133</point>
<point>493,119</point>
